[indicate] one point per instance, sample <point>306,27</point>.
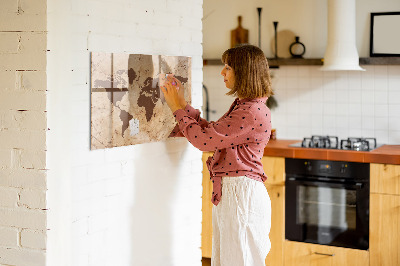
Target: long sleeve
<point>193,113</point>
<point>231,130</point>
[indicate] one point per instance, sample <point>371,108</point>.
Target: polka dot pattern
<point>238,139</point>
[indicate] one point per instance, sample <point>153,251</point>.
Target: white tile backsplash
<point>343,103</point>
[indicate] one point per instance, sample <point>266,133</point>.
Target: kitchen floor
<point>206,261</point>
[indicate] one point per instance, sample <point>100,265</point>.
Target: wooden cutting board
<point>239,35</point>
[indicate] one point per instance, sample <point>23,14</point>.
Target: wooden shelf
<point>380,61</point>
<point>274,63</point>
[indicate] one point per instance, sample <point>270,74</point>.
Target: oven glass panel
<point>326,207</point>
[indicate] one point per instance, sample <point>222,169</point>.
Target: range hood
<point>341,51</point>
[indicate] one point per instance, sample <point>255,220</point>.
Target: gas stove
<point>332,142</point>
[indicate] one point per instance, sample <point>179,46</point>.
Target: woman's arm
<point>239,127</point>
<point>176,99</point>
<point>193,113</point>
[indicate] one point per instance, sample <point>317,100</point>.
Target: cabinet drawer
<point>304,254</point>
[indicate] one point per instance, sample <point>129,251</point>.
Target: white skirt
<point>241,223</point>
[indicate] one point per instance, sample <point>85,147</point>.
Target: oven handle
<point>357,185</point>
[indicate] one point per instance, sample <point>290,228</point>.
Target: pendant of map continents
<point>127,104</point>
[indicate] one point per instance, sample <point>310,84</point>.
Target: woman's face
<point>229,76</point>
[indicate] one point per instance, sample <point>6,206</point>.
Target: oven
<point>327,202</point>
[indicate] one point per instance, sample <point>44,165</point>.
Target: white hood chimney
<point>341,51</point>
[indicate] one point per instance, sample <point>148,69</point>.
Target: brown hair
<point>250,66</point>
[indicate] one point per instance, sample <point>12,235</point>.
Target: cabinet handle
<point>324,254</point>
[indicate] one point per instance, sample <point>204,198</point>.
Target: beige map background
<point>127,105</point>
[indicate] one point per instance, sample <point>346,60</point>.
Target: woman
<point>242,208</point>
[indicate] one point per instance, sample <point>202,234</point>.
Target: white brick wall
<point>22,132</point>
<point>134,205</point>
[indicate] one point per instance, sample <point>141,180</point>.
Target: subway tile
<point>394,97</point>
<point>381,84</point>
<point>342,133</point>
<point>382,136</point>
<point>292,82</point>
<point>367,82</point>
<point>355,96</point>
<point>328,74</point>
<point>394,123</point>
<point>367,96</point>
<point>355,109</point>
<point>342,109</point>
<point>381,97</point>
<point>381,123</point>
<point>303,82</point>
<point>329,94</point>
<point>291,71</point>
<point>355,132</point>
<point>317,107</point>
<point>367,122</point>
<point>394,137</point>
<point>367,133</point>
<point>367,110</point>
<point>329,122</point>
<point>354,80</point>
<point>342,96</point>
<point>394,71</point>
<point>315,72</point>
<point>394,110</point>
<point>342,122</point>
<point>355,122</point>
<point>316,83</point>
<point>317,120</point>
<point>329,109</point>
<point>381,110</point>
<point>304,72</point>
<point>380,71</point>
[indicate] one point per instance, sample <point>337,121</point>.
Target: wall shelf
<point>380,61</point>
<point>274,63</point>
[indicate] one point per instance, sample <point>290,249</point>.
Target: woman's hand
<point>181,91</point>
<point>174,94</point>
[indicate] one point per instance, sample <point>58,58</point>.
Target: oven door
<point>327,213</point>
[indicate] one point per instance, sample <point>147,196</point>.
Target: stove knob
<point>343,168</point>
<point>308,166</point>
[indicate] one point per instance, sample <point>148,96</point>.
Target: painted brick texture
<point>108,207</point>
<point>134,205</point>
<point>23,132</point>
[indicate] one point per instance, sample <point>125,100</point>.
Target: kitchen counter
<point>389,154</point>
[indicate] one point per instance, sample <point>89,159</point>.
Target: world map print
<point>127,104</point>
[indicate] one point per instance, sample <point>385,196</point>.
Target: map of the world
<point>127,104</point>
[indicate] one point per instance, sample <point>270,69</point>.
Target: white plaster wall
<point>133,205</point>
<point>311,102</point>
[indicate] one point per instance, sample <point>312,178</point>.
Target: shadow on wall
<point>156,191</point>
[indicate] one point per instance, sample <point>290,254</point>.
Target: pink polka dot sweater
<point>238,139</point>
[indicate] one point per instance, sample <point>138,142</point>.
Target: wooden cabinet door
<point>384,236</point>
<point>274,168</point>
<point>206,226</point>
<point>277,233</point>
<point>304,254</point>
<point>385,178</point>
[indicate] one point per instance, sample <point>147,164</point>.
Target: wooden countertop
<point>389,154</point>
